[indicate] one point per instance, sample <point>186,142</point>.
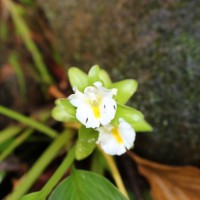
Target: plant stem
<point>28,179</point>
<point>58,174</point>
<point>9,132</point>
<point>17,141</point>
<point>116,175</point>
<point>28,121</point>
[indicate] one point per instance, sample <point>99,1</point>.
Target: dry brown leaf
<point>55,92</point>
<point>170,182</point>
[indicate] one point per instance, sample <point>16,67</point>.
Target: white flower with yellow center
<point>95,106</point>
<point>116,140</point>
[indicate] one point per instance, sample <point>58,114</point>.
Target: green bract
<point>64,111</point>
<point>125,89</point>
<point>132,116</point>
<point>78,78</point>
<point>93,75</point>
<point>105,78</point>
<point>86,142</point>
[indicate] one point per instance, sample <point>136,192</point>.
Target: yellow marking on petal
<point>117,136</point>
<point>96,111</point>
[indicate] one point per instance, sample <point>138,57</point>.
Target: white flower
<point>116,140</point>
<point>95,106</point>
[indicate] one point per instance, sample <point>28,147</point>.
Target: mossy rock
<point>155,42</point>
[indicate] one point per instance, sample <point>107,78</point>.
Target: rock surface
<point>155,42</point>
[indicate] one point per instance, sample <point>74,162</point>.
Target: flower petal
<point>77,98</point>
<point>94,106</point>
<point>108,142</point>
<point>104,91</point>
<point>85,115</point>
<point>115,140</point>
<point>127,133</point>
<point>108,109</point>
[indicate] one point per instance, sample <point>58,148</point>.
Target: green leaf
<point>126,89</point>
<point>132,116</point>
<point>93,75</point>
<point>99,164</point>
<point>32,196</point>
<point>86,142</point>
<point>15,64</point>
<point>105,78</point>
<point>64,111</point>
<point>24,31</point>
<point>85,185</point>
<point>28,121</point>
<point>15,143</point>
<point>78,78</point>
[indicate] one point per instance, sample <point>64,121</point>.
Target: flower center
<point>96,111</point>
<point>95,104</point>
<point>117,136</point>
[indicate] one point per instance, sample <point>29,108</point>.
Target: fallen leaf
<point>170,182</point>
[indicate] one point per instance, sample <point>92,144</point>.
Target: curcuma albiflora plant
<point>97,109</point>
<point>98,105</point>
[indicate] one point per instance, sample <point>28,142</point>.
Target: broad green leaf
<point>86,142</point>
<point>32,196</point>
<point>93,75</point>
<point>78,78</point>
<point>64,111</point>
<point>105,78</point>
<point>132,116</point>
<point>125,89</point>
<point>85,185</point>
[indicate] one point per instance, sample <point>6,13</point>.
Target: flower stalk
<point>116,175</point>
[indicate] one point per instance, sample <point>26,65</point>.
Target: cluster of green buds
<point>98,105</point>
